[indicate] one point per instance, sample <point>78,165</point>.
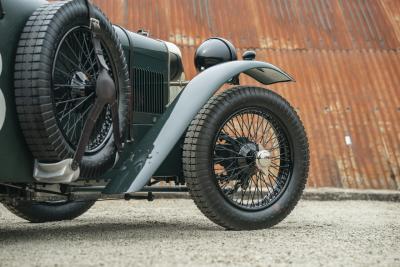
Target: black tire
<point>35,93</point>
<point>39,212</point>
<point>199,150</point>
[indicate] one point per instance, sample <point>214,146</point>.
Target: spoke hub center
<point>263,160</point>
<point>79,83</point>
<point>248,149</point>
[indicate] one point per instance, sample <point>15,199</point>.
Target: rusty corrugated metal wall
<point>344,54</point>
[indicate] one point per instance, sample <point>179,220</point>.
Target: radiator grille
<point>149,94</point>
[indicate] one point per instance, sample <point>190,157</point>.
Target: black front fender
<point>134,173</point>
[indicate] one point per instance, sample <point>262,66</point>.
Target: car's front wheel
<point>246,158</point>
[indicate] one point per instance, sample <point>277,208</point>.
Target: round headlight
<point>212,52</point>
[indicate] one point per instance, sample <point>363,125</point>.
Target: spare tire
<point>55,74</point>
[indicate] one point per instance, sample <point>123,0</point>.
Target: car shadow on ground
<point>96,230</point>
<point>89,229</point>
<point>24,231</point>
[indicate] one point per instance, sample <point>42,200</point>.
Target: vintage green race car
<point>90,110</point>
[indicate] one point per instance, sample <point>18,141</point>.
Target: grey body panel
<point>141,163</point>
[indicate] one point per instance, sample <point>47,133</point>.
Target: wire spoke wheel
<point>55,81</point>
<point>252,159</point>
<point>74,75</point>
<point>246,158</point>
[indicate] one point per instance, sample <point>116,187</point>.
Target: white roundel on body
<point>2,109</point>
<point>2,100</point>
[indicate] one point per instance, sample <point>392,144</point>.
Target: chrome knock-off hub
<point>263,160</point>
<point>79,83</point>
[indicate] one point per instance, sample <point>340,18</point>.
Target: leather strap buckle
<point>94,25</point>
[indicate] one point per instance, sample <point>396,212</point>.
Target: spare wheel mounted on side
<point>55,75</point>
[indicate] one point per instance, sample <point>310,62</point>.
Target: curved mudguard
<point>135,172</point>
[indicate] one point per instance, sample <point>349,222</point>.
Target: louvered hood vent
<point>149,94</point>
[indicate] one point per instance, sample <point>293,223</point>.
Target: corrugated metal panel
<point>345,93</point>
<point>344,55</point>
<point>279,24</point>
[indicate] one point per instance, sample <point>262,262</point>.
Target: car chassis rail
<point>84,193</point>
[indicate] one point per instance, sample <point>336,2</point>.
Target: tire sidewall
<point>263,99</point>
<point>39,212</point>
<point>72,15</point>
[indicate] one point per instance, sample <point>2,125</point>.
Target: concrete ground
<point>171,232</point>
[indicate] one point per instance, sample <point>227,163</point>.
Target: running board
<point>59,172</point>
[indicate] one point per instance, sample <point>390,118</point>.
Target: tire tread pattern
<point>194,165</point>
<point>32,85</point>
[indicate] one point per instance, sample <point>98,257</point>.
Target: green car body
<point>92,111</point>
<point>156,112</point>
<point>16,161</point>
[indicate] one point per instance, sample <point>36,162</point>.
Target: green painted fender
<point>134,173</point>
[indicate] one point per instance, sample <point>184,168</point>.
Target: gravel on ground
<point>172,232</point>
